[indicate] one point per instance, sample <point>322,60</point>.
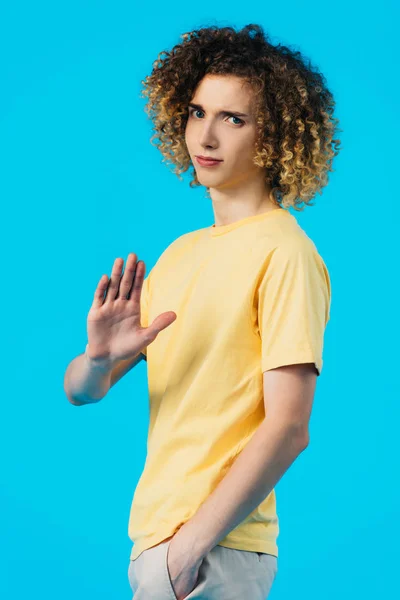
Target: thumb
<point>162,322</point>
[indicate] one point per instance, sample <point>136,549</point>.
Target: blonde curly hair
<point>293,106</point>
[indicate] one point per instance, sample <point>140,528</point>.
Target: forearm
<point>86,381</point>
<point>252,476</point>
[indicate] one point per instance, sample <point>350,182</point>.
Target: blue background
<point>81,185</point>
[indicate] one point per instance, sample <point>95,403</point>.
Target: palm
<point>113,323</point>
<point>116,328</point>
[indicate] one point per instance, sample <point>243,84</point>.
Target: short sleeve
<point>293,306</point>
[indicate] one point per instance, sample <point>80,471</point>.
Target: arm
<point>293,302</point>
<point>281,437</point>
<point>87,381</point>
<point>115,330</point>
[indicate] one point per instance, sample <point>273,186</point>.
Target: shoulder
<point>296,248</point>
<point>182,240</point>
<point>295,259</point>
<point>293,248</point>
<point>175,249</point>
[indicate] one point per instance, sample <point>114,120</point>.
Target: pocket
<point>268,561</point>
<point>132,576</point>
<point>166,572</point>
<point>259,554</point>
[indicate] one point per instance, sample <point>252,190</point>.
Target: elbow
<point>300,436</point>
<point>304,440</point>
<point>74,401</point>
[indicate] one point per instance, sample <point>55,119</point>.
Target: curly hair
<point>295,125</point>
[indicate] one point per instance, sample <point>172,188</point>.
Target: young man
<point>231,318</point>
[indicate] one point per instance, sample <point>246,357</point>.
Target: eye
<point>194,110</point>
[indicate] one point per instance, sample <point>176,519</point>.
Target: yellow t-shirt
<point>249,296</point>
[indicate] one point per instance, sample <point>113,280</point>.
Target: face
<point>218,130</point>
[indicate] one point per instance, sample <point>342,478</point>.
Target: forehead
<point>223,89</point>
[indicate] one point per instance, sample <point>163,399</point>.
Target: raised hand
<point>113,322</point>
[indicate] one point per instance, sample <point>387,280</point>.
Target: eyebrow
<point>221,112</point>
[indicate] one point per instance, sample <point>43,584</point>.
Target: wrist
<point>195,546</point>
<point>104,364</point>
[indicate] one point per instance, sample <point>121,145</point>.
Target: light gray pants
<point>225,574</point>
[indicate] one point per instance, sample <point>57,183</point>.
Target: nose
<point>207,136</point>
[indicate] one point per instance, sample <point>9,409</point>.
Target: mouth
<point>207,162</point>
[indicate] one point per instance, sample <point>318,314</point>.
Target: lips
<point>207,162</point>
<point>209,158</point>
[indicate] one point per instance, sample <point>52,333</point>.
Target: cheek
<point>188,137</point>
<point>247,151</point>
<point>241,153</point>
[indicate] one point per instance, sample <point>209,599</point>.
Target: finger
<point>137,284</point>
<point>113,287</point>
<point>129,274</point>
<point>99,292</point>
<point>161,322</point>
